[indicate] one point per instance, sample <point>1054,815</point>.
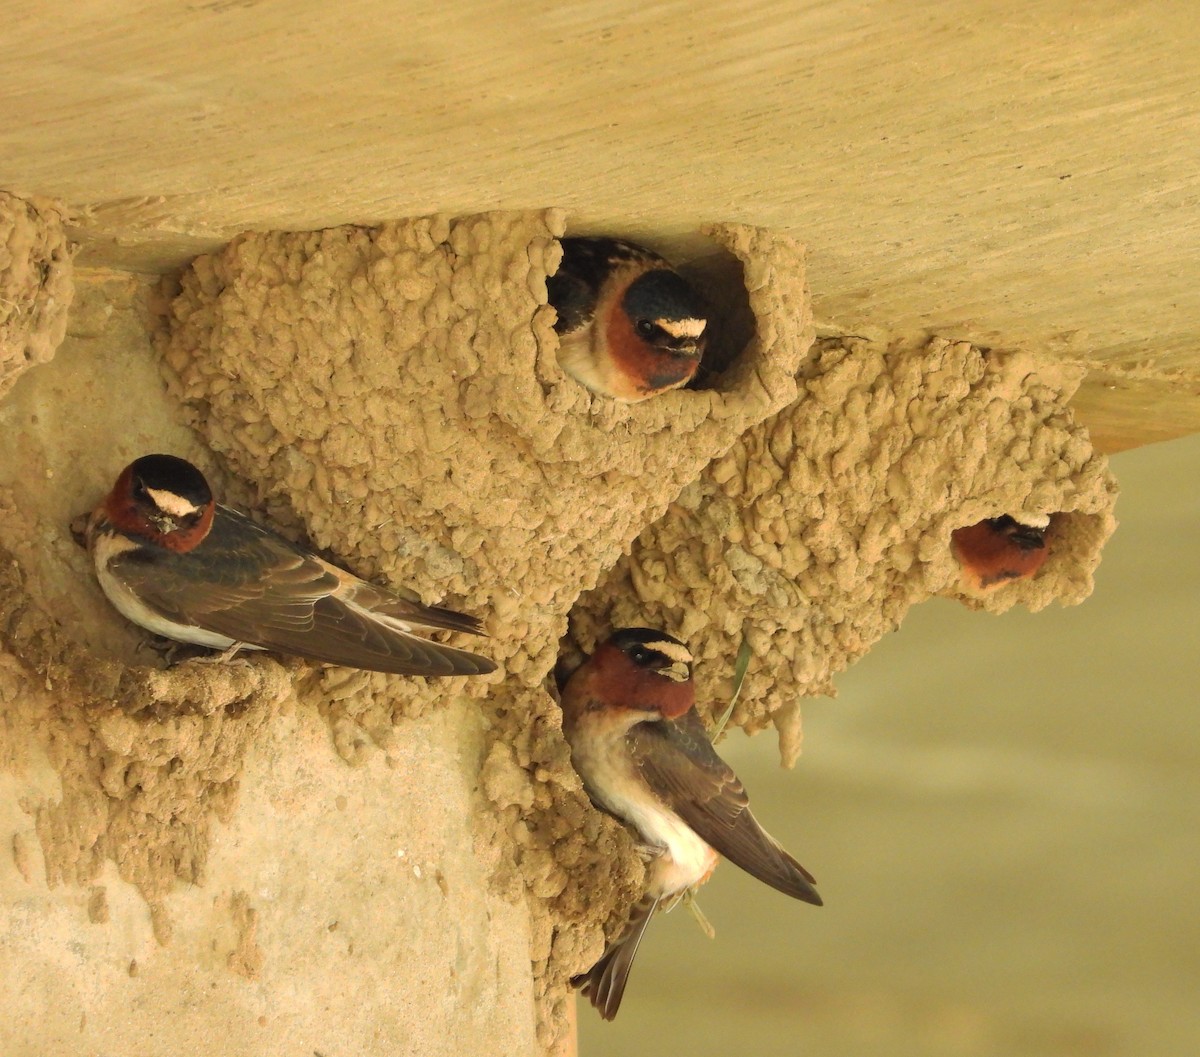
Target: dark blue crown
<point>662,294</point>
<point>170,474</point>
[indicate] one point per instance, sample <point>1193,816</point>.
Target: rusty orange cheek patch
<point>989,558</point>
<point>642,367</point>
<point>123,514</point>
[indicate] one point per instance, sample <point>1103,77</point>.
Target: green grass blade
<point>739,675</point>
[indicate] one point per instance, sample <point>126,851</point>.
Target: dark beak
<point>1028,539</point>
<point>688,347</point>
<point>164,523</point>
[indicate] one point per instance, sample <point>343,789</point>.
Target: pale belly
<point>686,860</point>
<point>132,608</point>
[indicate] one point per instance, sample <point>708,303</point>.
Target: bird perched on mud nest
<point>645,757</point>
<point>629,326</point>
<point>999,550</point>
<point>176,563</point>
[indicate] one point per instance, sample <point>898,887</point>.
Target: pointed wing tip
<point>446,661</point>
<point>477,666</point>
<point>412,655</point>
<point>450,620</point>
<point>784,874</point>
<point>469,625</point>
<point>811,896</point>
<point>802,885</point>
<point>796,888</point>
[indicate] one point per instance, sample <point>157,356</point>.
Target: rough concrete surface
<point>188,844</point>
<point>1014,175</point>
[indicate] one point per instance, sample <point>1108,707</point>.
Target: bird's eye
<point>646,328</point>
<point>641,655</point>
<point>139,489</point>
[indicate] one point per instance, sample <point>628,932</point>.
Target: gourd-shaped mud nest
<point>392,395</point>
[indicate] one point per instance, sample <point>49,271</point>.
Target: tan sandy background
<point>1002,815</point>
<point>966,236</point>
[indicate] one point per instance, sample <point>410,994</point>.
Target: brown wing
<point>679,763</point>
<point>253,586</point>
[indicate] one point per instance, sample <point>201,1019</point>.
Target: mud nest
<point>816,532</point>
<point>393,395</point>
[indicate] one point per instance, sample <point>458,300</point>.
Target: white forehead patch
<point>683,328</point>
<point>671,650</point>
<point>1038,521</point>
<point>170,503</point>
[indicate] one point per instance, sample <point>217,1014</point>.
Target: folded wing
<point>255,587</point>
<point>677,760</point>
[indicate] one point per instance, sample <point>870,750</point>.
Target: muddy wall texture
<point>337,860</point>
<point>35,284</point>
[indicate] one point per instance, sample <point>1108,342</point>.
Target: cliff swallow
<point>999,550</point>
<point>645,757</point>
<point>176,563</point>
<point>629,326</point>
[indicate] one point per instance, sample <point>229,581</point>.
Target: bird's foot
<point>178,652</point>
<point>689,900</point>
<point>648,852</point>
<point>226,656</point>
<point>78,529</point>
